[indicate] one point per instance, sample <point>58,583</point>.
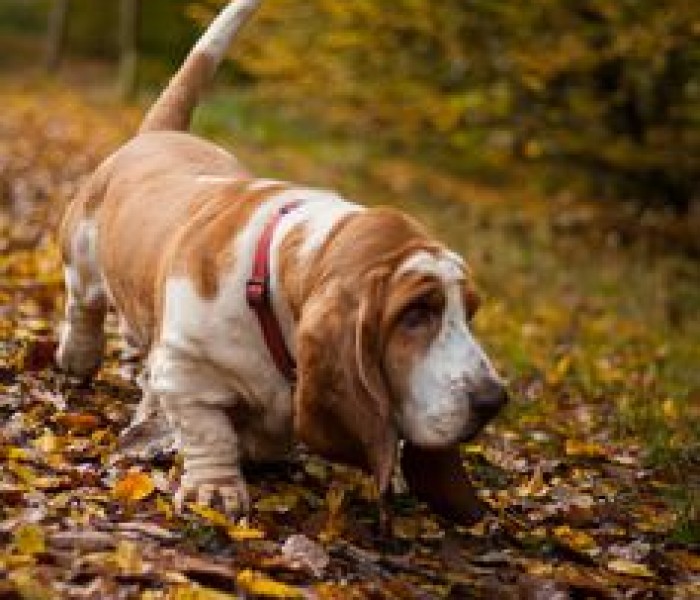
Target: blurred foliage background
<point>598,97</point>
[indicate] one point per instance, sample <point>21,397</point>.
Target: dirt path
<point>592,476</point>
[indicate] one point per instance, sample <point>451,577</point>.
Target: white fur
<point>218,36</point>
<point>438,408</point>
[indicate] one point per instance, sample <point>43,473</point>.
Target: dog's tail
<point>173,109</point>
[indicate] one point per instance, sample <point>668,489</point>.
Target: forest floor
<point>592,474</point>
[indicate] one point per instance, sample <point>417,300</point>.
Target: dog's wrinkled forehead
<point>446,265</point>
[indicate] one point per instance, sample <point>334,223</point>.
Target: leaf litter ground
<point>578,509</point>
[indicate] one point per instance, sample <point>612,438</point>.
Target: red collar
<point>259,297</point>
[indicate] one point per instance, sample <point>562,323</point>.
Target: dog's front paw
<point>228,494</point>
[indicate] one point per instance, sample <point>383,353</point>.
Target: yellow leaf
<point>584,449</point>
<point>29,539</point>
<point>535,486</point>
<point>209,514</point>
<point>261,585</point>
<point>24,473</point>
<point>628,567</point>
<point>47,442</point>
<point>240,533</point>
<point>280,503</point>
<point>164,507</point>
<point>196,592</point>
<point>235,532</point>
<point>29,586</point>
<point>670,410</point>
<point>128,558</point>
<point>560,370</point>
<point>134,486</point>
<point>576,540</point>
<point>15,453</point>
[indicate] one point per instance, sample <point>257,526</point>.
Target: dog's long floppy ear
<point>343,408</point>
<point>438,477</point>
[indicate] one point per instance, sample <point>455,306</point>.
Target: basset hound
<point>272,313</point>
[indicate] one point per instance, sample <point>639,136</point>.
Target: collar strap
<point>259,296</point>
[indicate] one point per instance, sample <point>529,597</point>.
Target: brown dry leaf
<point>78,422</point>
<point>256,583</point>
<point>686,560</point>
<point>134,486</point>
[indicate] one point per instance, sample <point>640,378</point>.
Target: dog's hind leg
<point>81,336</point>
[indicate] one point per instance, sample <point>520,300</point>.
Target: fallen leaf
<point>280,503</point>
<point>235,531</point>
<point>576,540</point>
<point>578,448</point>
<point>213,516</point>
<point>78,422</point>
<point>256,583</point>
<point>196,592</point>
<point>29,586</point>
<point>306,553</point>
<point>128,558</point>
<point>134,486</point>
<point>628,567</point>
<point>533,487</point>
<point>29,539</point>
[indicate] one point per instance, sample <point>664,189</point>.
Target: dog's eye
<point>421,313</point>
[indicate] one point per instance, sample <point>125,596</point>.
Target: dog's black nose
<point>490,397</point>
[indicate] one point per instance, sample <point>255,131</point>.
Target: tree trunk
<point>56,34</point>
<point>128,48</point>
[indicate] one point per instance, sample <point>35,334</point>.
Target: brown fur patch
<point>205,243</point>
<point>173,110</point>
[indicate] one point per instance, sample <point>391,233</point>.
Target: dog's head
<point>385,349</point>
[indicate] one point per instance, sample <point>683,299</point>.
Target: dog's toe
<point>229,496</point>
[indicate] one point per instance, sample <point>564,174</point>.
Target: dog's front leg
<point>198,412</point>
